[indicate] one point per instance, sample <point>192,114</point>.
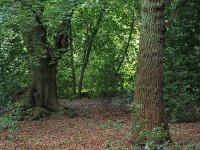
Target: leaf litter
<point>97,126</point>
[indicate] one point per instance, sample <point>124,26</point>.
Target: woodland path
<point>98,124</point>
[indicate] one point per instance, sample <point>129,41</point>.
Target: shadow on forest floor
<point>97,124</point>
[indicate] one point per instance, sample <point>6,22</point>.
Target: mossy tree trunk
<point>43,57</point>
<point>44,86</point>
<point>149,78</point>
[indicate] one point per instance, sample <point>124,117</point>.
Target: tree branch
<point>125,49</point>
<point>42,27</point>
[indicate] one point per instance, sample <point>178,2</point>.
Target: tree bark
<point>149,78</point>
<point>44,87</point>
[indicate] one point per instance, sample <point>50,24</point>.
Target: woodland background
<point>100,58</point>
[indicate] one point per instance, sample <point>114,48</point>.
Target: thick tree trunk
<point>40,98</point>
<point>149,80</point>
<point>42,94</point>
<point>44,87</point>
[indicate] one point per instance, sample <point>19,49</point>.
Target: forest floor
<point>98,125</point>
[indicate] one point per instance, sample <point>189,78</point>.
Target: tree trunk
<point>43,57</point>
<point>80,84</point>
<point>44,87</point>
<point>43,91</point>
<point>149,78</point>
<point>73,72</point>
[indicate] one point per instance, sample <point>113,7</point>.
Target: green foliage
<point>103,80</point>
<point>123,100</point>
<point>179,146</point>
<point>182,77</point>
<point>106,49</point>
<point>110,124</point>
<point>7,122</point>
<point>64,77</point>
<point>154,139</point>
<point>191,147</point>
<point>13,65</point>
<point>9,119</point>
<point>24,102</point>
<point>101,77</point>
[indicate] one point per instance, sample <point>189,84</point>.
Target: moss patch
<point>24,102</point>
<point>30,112</point>
<point>39,113</point>
<point>22,105</point>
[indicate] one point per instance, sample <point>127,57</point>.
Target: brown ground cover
<point>98,125</point>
